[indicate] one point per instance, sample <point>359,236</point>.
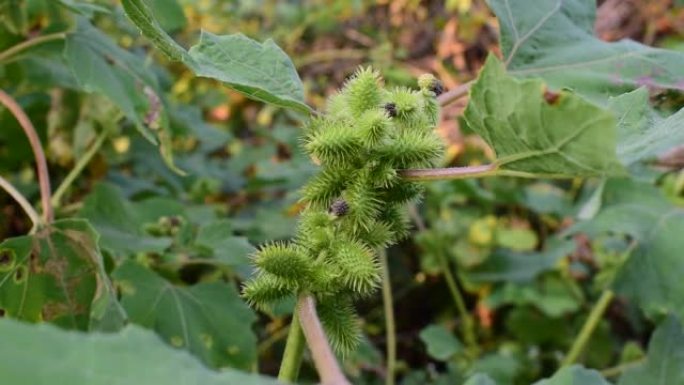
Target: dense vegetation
<point>451,193</point>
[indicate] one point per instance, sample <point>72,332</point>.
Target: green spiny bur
<point>356,203</point>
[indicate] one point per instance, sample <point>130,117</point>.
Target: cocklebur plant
<point>356,204</point>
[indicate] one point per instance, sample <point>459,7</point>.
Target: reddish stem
<point>41,163</point>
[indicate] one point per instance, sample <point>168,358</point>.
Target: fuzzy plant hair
<point>356,204</point>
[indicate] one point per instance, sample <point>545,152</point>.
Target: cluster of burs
<point>356,204</point>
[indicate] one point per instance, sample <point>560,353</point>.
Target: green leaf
<point>208,319</point>
<point>575,375</point>
<point>555,40</point>
<point>535,133</point>
<point>118,222</point>
<point>83,8</point>
<point>13,16</point>
<point>169,14</point>
<point>507,266</point>
<point>53,276</point>
<point>43,354</point>
<point>651,276</point>
<point>260,71</point>
<point>101,66</point>
<point>642,134</point>
<point>665,357</point>
<point>480,379</point>
<point>226,248</point>
<point>440,342</point>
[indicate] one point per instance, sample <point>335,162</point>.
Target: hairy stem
<point>21,200</point>
<point>294,348</point>
<point>79,166</point>
<point>326,363</point>
<point>390,329</point>
<point>8,53</point>
<point>455,94</point>
<point>588,328</point>
<point>469,335</point>
<point>41,163</point>
<point>426,174</point>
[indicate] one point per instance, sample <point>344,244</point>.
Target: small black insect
<point>437,87</point>
<point>339,208</point>
<point>391,109</point>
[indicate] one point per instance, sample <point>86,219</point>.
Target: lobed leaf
<point>541,133</point>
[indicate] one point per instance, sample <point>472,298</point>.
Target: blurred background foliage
<point>528,286</point>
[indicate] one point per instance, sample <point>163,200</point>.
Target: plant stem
<point>326,363</point>
<point>4,55</point>
<point>21,200</point>
<point>617,370</point>
<point>425,174</point>
<point>588,328</point>
<point>469,334</point>
<point>34,139</point>
<point>455,94</point>
<point>390,329</point>
<point>294,348</point>
<point>79,166</point>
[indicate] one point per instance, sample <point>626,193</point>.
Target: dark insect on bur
<point>339,208</point>
<point>391,109</point>
<point>437,87</point>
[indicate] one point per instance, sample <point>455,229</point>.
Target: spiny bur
<point>357,202</point>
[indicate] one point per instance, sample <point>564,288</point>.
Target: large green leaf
<point>536,133</point>
<point>118,222</point>
<point>652,275</point>
<point>260,71</point>
<point>575,375</point>
<point>480,379</point>
<point>99,65</point>
<point>554,39</point>
<point>208,319</point>
<point>664,363</point>
<point>45,355</point>
<point>642,134</point>
<point>52,276</point>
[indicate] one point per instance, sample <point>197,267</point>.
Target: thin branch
<point>617,370</point>
<point>425,174</point>
<point>8,53</point>
<point>41,163</point>
<point>390,328</point>
<point>455,94</point>
<point>14,193</point>
<point>588,328</point>
<point>326,364</point>
<point>78,168</point>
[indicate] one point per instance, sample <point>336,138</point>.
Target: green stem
<point>294,348</point>
<point>617,370</point>
<point>4,55</point>
<point>22,201</point>
<point>588,328</point>
<point>80,165</point>
<point>390,329</point>
<point>469,334</point>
